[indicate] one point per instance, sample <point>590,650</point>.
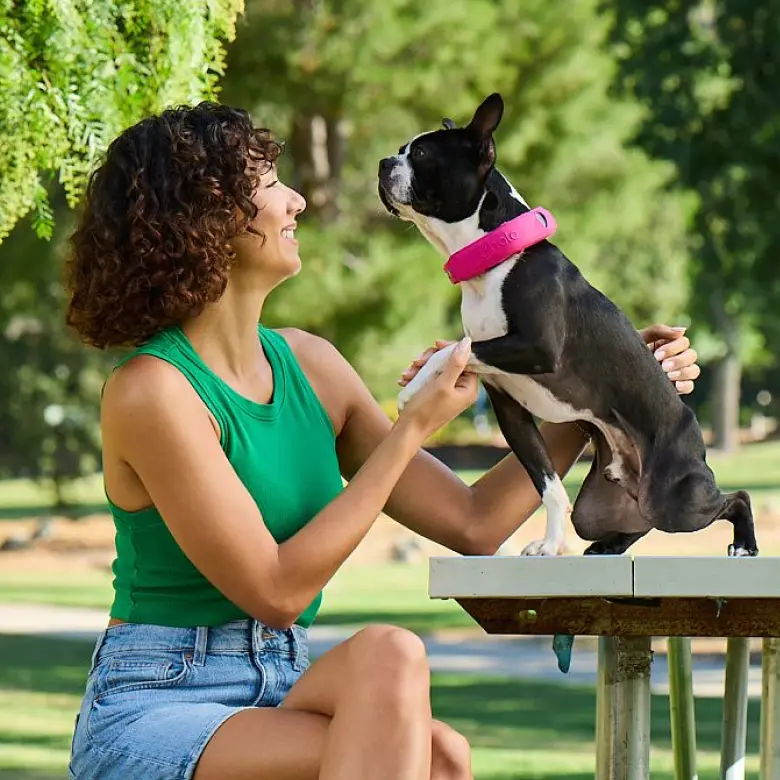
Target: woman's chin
<point>290,267</point>
<point>295,266</point>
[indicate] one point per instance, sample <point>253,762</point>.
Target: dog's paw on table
<point>544,547</point>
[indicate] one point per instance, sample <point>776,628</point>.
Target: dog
<point>549,345</point>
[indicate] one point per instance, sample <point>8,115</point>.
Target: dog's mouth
<point>387,199</point>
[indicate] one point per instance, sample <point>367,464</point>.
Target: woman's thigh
<point>265,744</point>
<point>287,743</point>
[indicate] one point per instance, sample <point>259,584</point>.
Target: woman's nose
<point>299,203</point>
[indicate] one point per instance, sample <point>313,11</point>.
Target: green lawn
<point>395,593</point>
<point>517,729</point>
<point>755,468</point>
<point>386,592</point>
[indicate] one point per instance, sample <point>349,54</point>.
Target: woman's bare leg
<point>380,706</point>
<point>362,710</point>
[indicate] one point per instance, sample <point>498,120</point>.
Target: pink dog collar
<point>500,244</point>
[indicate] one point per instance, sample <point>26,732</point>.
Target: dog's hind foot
<point>614,543</point>
<point>737,510</point>
<point>741,552</point>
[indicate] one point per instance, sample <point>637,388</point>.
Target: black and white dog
<point>548,344</point>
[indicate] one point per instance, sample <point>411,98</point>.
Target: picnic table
<point>626,601</point>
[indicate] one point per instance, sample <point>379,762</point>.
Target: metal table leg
<point>735,700</point>
<point>770,710</point>
<point>681,707</point>
<point>623,709</point>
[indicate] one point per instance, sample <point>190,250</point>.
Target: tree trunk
<point>725,403</point>
<point>728,383</point>
<point>317,146</point>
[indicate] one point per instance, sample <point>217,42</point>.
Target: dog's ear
<point>482,126</point>
<point>447,123</point>
<point>487,117</point>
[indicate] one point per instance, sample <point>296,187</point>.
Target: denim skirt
<point>155,695</point>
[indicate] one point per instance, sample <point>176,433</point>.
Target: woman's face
<point>277,208</point>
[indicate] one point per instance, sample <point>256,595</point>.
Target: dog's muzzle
<point>386,167</point>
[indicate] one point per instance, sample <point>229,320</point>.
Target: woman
<point>224,446</point>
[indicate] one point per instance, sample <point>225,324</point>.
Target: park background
<point>649,127</point>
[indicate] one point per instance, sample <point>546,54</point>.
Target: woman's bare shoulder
<point>334,380</point>
<point>146,387</point>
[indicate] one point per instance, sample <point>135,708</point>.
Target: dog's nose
<point>386,164</point>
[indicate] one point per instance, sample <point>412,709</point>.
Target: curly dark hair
<point>152,246</point>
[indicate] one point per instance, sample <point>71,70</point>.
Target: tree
<point>49,384</point>
<point>706,71</point>
<point>72,75</point>
<point>346,83</point>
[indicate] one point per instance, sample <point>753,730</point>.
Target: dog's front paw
<point>546,547</point>
<point>403,398</point>
<point>433,367</point>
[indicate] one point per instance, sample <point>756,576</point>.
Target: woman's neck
<point>224,334</point>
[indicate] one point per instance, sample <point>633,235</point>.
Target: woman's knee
<point>450,754</point>
<point>392,662</point>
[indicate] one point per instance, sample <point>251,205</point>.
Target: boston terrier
<point>547,344</point>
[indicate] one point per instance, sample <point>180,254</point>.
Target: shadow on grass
<point>43,665</point>
<point>494,713</point>
<point>73,511</point>
<point>41,684</point>
<point>532,715</point>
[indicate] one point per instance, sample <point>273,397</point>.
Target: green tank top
<point>283,451</point>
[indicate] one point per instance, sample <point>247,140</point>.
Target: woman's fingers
<point>419,362</point>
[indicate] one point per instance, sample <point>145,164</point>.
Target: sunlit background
<point>649,127</point>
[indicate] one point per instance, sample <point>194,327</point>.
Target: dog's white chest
<point>483,318</point>
<point>480,307</point>
<point>537,399</point>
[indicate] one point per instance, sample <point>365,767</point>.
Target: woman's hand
<point>671,347</point>
<point>444,396</point>
<point>421,360</point>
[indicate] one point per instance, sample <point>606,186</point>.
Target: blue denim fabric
<point>155,695</point>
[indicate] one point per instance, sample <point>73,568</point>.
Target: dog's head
<point>446,183</point>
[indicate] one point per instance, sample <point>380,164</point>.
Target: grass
<point>518,729</point>
<point>25,498</point>
<point>755,468</point>
<point>392,592</point>
<point>388,593</point>
<point>85,589</point>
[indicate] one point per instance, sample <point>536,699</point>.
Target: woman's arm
<point>433,501</point>
<point>154,423</point>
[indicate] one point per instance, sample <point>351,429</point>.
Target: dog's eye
<point>418,153</point>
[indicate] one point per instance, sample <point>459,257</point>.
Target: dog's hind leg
<point>518,426</point>
<point>737,510</point>
<point>614,543</point>
<point>605,512</point>
<point>690,502</point>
